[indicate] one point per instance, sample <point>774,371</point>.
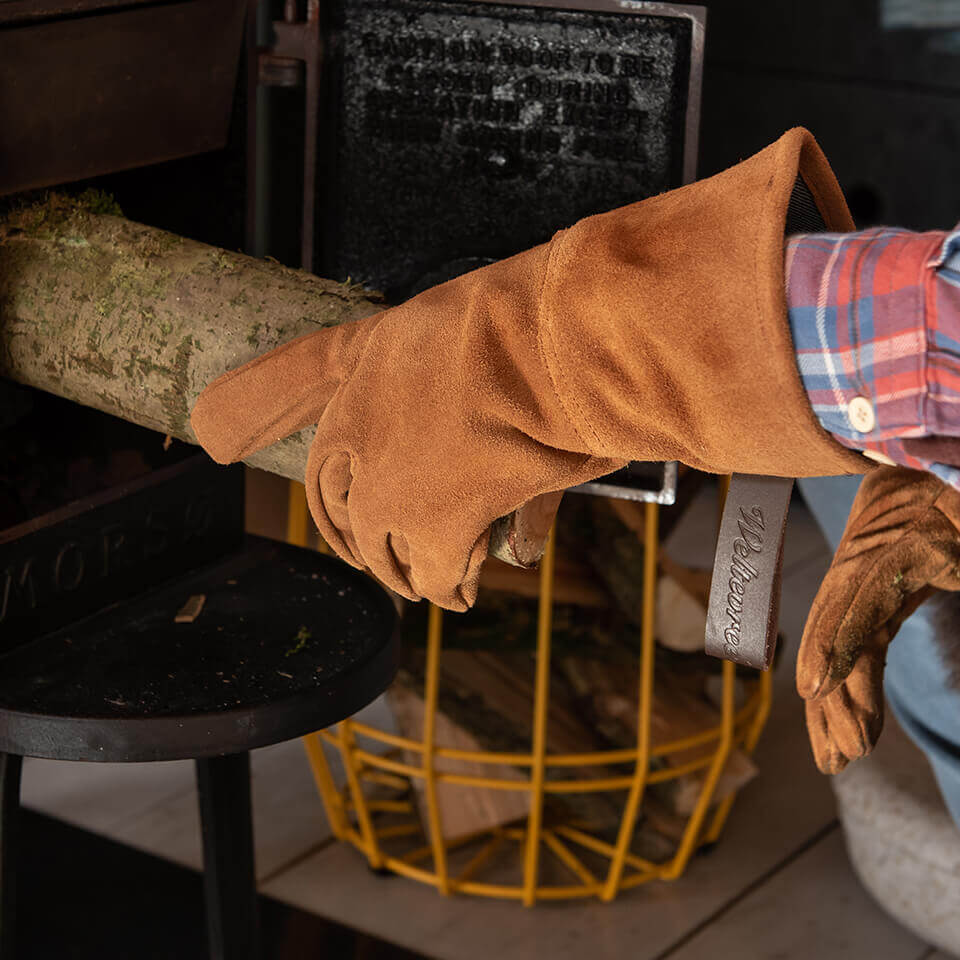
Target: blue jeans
<point>915,680</point>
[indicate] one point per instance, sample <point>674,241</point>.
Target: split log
<point>612,534</point>
<point>488,698</point>
<point>678,710</point>
<point>135,322</point>
<point>464,810</point>
<point>681,618</point>
<point>486,689</point>
<point>693,581</point>
<point>572,582</point>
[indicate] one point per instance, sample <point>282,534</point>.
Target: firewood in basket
<point>681,619</point>
<point>678,710</point>
<point>464,809</point>
<point>489,697</point>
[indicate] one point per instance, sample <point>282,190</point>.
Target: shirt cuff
<point>875,321</point>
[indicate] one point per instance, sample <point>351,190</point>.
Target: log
<point>488,695</point>
<point>572,582</point>
<point>616,555</point>
<point>464,810</point>
<point>136,321</point>
<point>522,536</point>
<point>681,618</point>
<point>678,710</point>
<point>612,542</point>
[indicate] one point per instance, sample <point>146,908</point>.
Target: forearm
<point>875,321</point>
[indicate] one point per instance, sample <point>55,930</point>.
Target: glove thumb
<point>276,394</point>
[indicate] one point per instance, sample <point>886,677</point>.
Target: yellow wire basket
<point>374,811</point>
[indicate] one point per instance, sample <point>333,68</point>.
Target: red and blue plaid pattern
<point>876,314</point>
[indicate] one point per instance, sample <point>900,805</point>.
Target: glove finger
<point>327,495</point>
<point>854,710</point>
<point>457,590</point>
<point>276,394</point>
<point>419,574</point>
<point>826,753</point>
<point>845,724</point>
<point>863,598</point>
<point>384,553</point>
<point>388,558</point>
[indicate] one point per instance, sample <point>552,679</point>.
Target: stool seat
<point>288,641</point>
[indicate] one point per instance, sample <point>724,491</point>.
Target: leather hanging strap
<point>745,590</point>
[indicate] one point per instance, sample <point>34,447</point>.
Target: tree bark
<point>135,322</point>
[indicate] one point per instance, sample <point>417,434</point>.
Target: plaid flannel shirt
<point>875,319</point>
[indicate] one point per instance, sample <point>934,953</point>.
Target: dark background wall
<point>883,103</point>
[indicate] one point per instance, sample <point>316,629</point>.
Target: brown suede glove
<point>654,332</point>
<point>902,541</point>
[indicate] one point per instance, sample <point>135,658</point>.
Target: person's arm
<point>875,320</point>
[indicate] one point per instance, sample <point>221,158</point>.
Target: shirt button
<point>860,414</point>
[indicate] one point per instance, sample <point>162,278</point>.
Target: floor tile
<point>814,907</point>
<point>288,817</point>
<point>170,829</point>
<point>99,796</point>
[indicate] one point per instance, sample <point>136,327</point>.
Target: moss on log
<point>135,322</point>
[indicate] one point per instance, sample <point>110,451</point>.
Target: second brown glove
<point>902,541</point>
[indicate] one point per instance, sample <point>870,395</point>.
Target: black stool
<point>288,641</point>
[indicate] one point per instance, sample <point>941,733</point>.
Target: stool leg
<point>10,767</point>
<point>233,928</point>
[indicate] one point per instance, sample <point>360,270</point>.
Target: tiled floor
<point>778,885</point>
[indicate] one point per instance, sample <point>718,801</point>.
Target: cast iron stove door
<point>459,133</point>
<point>464,132</point>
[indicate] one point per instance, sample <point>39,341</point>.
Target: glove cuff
<point>664,323</point>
